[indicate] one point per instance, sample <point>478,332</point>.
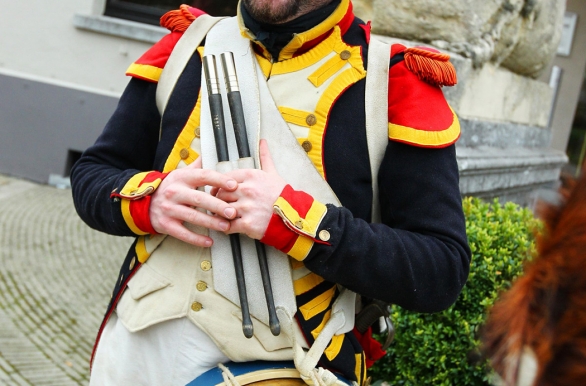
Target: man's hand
<point>177,200</point>
<point>257,191</point>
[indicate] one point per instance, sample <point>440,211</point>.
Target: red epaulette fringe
<point>432,67</point>
<point>178,20</point>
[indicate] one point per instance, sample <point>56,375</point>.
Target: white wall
<point>38,38</point>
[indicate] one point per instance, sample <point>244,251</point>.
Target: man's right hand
<point>177,199</point>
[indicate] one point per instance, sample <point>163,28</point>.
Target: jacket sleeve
<point>417,258</point>
<point>113,179</point>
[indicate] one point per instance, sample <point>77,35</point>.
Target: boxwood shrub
<point>442,348</point>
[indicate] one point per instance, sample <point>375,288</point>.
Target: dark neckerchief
<point>276,36</point>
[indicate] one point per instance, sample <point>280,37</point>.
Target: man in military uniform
<point>143,177</point>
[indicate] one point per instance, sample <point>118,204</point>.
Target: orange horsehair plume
<point>178,20</point>
<point>431,67</point>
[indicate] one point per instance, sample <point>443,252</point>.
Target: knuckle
<point>170,192</point>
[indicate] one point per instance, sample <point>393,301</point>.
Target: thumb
<point>266,161</point>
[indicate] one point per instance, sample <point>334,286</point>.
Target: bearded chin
<point>271,12</point>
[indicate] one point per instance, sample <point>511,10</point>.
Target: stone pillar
<point>499,48</point>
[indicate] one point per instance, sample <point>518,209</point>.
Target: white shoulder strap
<point>179,57</point>
<point>376,102</point>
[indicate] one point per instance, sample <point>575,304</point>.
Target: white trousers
<point>171,353</point>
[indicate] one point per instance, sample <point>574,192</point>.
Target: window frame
<point>133,12</point>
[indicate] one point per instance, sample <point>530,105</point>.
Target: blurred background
<point>521,100</point>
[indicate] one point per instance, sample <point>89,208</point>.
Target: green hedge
<point>440,348</point>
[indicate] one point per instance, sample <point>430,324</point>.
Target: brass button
<point>306,145</point>
<point>196,306</point>
<point>324,235</point>
<point>197,132</point>
<point>206,265</point>
<point>299,224</point>
<point>133,193</point>
<point>201,286</point>
<point>311,120</point>
<point>345,55</point>
<point>132,263</point>
<point>184,154</point>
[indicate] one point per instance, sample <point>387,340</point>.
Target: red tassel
<point>432,67</point>
<point>178,20</point>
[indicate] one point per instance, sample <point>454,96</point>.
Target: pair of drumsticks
<point>237,114</point>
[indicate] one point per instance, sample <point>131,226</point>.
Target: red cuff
<point>294,224</point>
<point>139,208</point>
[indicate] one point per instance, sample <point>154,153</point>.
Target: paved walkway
<point>56,275</point>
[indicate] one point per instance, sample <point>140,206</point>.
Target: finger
<point>266,161</point>
<point>199,218</point>
<point>199,199</point>
<point>179,231</point>
<point>227,197</point>
<point>201,177</point>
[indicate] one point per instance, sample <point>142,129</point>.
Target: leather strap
<point>179,57</point>
<point>377,122</point>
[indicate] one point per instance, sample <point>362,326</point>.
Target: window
<point>150,11</point>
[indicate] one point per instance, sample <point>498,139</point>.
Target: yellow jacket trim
<point>306,283</point>
<point>335,345</point>
<point>321,326</point>
<point>360,364</point>
<point>426,138</point>
<point>316,132</point>
<point>144,71</point>
<point>334,348</point>
<point>296,264</point>
<point>188,134</point>
<point>318,304</point>
<point>296,117</point>
<point>300,39</point>
<point>141,251</point>
<point>265,65</point>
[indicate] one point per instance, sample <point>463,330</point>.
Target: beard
<point>275,11</point>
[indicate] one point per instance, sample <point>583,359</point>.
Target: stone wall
<point>504,150</point>
<point>520,35</point>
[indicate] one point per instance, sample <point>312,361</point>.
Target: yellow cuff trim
<point>318,304</point>
<point>132,191</point>
<point>144,71</point>
<point>306,226</point>
<point>426,138</point>
<point>301,248</point>
<point>306,283</point>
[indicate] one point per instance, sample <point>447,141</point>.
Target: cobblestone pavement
<point>56,275</point>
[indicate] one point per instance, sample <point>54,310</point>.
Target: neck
<point>275,36</point>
